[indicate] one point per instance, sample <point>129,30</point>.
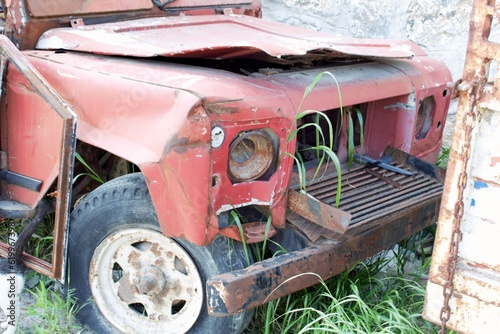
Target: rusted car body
<point>203,98</point>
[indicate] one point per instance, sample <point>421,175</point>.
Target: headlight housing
<point>251,156</point>
<point>424,117</point>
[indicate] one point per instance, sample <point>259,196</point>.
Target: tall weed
<point>324,146</point>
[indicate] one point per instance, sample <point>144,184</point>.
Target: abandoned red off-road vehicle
<point>187,111</point>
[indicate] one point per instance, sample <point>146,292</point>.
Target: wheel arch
<point>179,186</point>
<point>108,213</point>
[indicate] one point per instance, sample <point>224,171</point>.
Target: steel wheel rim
<point>141,280</point>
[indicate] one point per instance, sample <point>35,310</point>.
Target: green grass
<point>41,242</point>
<point>380,295</point>
<point>443,157</point>
<point>52,311</point>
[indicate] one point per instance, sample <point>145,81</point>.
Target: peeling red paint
<point>494,161</point>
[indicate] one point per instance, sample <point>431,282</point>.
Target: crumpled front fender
<point>153,115</point>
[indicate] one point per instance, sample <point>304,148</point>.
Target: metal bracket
<point>20,180</point>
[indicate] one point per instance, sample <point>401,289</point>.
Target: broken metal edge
<point>240,290</point>
<point>317,212</point>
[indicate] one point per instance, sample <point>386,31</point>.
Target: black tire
<point>119,217</point>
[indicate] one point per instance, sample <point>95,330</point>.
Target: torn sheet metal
<point>318,212</point>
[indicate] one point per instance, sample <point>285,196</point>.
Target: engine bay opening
<point>328,128</point>
<point>261,65</point>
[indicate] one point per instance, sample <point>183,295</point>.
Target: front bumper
<point>397,214</point>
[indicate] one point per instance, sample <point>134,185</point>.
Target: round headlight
<point>250,156</point>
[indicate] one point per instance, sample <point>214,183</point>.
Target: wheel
<point>135,279</point>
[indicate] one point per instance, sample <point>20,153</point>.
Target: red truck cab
<point>210,129</point>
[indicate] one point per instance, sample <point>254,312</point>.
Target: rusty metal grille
<point>367,197</point>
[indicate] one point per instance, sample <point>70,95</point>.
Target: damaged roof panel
<point>216,37</point>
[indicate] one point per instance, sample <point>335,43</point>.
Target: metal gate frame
<point>55,269</point>
<point>463,292</point>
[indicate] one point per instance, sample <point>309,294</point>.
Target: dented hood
<point>217,37</point>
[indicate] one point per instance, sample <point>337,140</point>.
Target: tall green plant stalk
<point>236,219</point>
<point>350,140</point>
<point>361,125</point>
<point>350,134</point>
<point>323,148</point>
<point>91,173</point>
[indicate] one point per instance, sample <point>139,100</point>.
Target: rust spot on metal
<point>126,291</point>
<point>133,259</point>
<point>155,249</point>
<point>477,265</point>
<point>317,212</point>
<point>494,161</point>
<point>383,178</point>
<point>55,194</point>
<point>253,232</point>
<point>220,108</point>
<point>181,145</point>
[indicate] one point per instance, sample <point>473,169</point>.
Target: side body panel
<point>156,116</point>
<point>42,143</point>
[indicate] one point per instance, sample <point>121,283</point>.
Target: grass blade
<point>361,126</point>
<point>350,140</point>
<point>91,173</point>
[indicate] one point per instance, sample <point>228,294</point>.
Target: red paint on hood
<point>216,36</point>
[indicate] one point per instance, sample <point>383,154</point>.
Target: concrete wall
<point>440,27</point>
